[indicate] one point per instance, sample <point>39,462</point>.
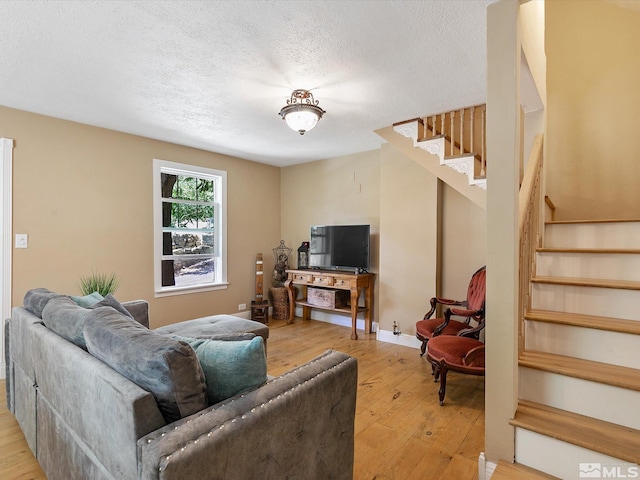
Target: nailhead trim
<point>165,460</point>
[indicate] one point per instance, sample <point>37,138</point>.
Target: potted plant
<point>99,282</point>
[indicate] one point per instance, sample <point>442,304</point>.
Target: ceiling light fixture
<point>301,111</point>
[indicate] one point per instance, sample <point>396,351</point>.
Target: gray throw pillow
<point>110,301</point>
<point>66,318</point>
<point>166,367</point>
<point>36,299</point>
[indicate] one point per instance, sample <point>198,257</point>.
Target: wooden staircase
<point>450,145</point>
<point>579,360</point>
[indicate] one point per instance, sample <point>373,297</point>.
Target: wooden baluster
<point>462,131</point>
<point>452,117</point>
<point>433,126</point>
<point>472,111</point>
<point>442,115</point>
<point>483,160</point>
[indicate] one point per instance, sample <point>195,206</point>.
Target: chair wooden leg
<point>443,382</point>
<point>435,370</point>
<point>423,348</point>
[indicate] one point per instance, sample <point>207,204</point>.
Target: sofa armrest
<point>298,425</point>
<point>140,311</point>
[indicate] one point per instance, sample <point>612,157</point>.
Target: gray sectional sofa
<point>84,420</point>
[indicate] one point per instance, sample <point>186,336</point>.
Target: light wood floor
<point>401,431</point>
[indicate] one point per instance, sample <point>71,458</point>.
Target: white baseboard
<point>3,371</point>
<point>335,318</point>
<point>402,339</point>
<point>485,468</point>
<point>344,320</point>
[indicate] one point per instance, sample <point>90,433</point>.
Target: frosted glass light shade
<point>301,120</point>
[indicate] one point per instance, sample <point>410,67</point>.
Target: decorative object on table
<point>281,259</point>
<point>99,282</point>
<point>303,255</point>
<point>279,298</point>
<point>260,306</point>
<point>301,111</point>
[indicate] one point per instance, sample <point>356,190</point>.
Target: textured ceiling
<point>213,75</point>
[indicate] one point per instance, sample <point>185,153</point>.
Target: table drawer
<point>302,278</point>
<point>342,282</point>
<point>324,280</point>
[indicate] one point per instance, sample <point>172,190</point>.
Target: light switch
<point>22,240</point>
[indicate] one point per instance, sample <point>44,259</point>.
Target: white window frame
<point>220,227</point>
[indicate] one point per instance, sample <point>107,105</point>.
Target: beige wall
<point>408,240</point>
<point>532,37</point>
<point>83,195</point>
<point>336,191</point>
<point>464,245</point>
<point>593,73</point>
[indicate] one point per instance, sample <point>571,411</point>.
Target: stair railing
<point>531,222</point>
<point>464,129</point>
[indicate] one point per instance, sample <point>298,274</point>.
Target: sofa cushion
<point>215,325</point>
<point>164,366</point>
<point>110,301</point>
<point>65,317</point>
<point>230,366</point>
<point>36,299</point>
<point>87,300</point>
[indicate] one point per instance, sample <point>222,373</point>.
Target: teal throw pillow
<point>230,367</point>
<point>88,300</point>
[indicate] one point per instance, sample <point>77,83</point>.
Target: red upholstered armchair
<point>460,354</point>
<point>472,308</point>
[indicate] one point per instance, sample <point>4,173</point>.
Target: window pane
<point>191,272</point>
<point>205,190</point>
<point>192,243</point>
<point>180,215</point>
<point>187,188</point>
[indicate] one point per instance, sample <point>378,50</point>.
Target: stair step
<point>586,222</point>
<point>589,250</point>
<point>588,282</point>
<point>458,157</point>
<point>615,375</point>
<point>585,321</point>
<point>602,264</point>
<point>607,234</point>
<point>435,137</point>
<point>608,438</point>
<point>586,297</point>
<point>516,471</point>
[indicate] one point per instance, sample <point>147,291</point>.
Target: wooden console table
<point>336,280</point>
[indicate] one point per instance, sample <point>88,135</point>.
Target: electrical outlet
<point>242,306</point>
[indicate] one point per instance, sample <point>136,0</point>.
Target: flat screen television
<point>339,247</point>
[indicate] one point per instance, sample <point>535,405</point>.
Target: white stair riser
<point>436,146</point>
<point>603,302</point>
<point>624,235</point>
<point>610,266</point>
<point>593,399</point>
<point>409,130</point>
<point>586,343</point>
<point>560,459</point>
